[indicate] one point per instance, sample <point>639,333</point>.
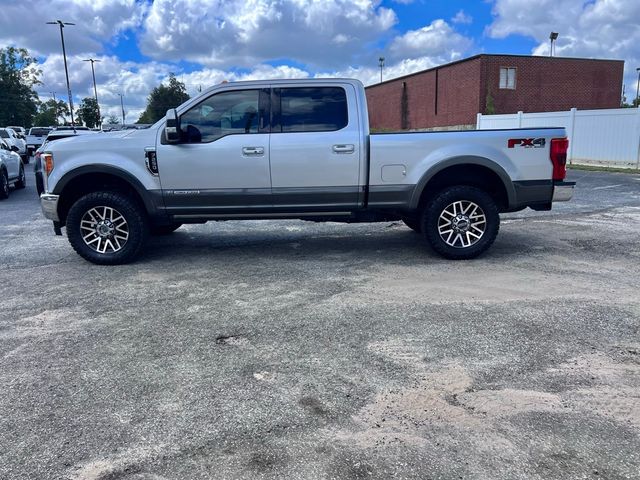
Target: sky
<point>203,42</point>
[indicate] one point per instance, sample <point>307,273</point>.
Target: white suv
<point>11,169</point>
<point>13,139</point>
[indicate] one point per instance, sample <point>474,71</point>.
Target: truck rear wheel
<point>461,222</point>
<point>107,228</point>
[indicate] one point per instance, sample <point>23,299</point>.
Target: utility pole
<point>95,89</point>
<point>553,36</point>
<point>55,106</point>
<point>122,105</point>
<point>638,88</point>
<point>62,24</point>
<point>381,64</point>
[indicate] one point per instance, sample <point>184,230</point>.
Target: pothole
<point>234,340</point>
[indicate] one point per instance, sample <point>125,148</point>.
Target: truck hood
<point>104,141</point>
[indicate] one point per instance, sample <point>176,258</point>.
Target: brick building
<point>451,95</point>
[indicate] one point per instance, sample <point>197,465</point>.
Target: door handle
<point>253,151</point>
<point>344,148</point>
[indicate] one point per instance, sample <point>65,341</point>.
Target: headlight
<point>47,163</point>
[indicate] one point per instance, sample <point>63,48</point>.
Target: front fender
<point>151,202</point>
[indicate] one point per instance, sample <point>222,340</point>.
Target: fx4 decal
<point>526,142</point>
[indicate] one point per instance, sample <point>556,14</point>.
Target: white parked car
<point>14,140</point>
<point>11,169</point>
<point>19,130</point>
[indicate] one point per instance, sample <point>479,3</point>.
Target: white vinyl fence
<point>609,137</point>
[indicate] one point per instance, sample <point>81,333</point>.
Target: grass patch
<point>602,168</point>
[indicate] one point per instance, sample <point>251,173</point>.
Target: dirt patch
<point>47,322</point>
<point>123,466</point>
<point>444,400</point>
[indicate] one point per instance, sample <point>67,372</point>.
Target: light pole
<point>95,89</point>
<point>122,105</point>
<point>66,70</point>
<point>381,64</point>
<point>55,106</point>
<point>553,36</point>
<point>638,88</point>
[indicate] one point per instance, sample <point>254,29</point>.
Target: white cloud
<point>371,75</point>
<point>223,33</point>
<point>436,40</point>
<point>225,39</point>
<point>592,29</point>
<point>462,17</point>
<point>96,21</point>
<point>134,81</point>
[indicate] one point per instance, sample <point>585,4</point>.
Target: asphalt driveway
<point>288,349</point>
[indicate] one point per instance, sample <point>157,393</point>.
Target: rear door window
<point>313,109</point>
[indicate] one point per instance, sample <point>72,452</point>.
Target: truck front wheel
<point>461,222</point>
<point>107,228</point>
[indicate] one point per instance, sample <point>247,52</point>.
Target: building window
<point>508,78</point>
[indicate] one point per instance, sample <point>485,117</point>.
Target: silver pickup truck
<point>294,149</point>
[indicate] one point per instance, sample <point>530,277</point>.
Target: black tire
<point>466,227</point>
<point>4,184</point>
<point>25,159</point>
<point>22,181</point>
<point>164,229</point>
<point>413,223</point>
<point>136,224</point>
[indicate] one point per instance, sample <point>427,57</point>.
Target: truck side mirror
<point>14,148</point>
<point>172,127</point>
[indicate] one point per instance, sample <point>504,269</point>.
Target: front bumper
<point>563,191</point>
<point>49,204</point>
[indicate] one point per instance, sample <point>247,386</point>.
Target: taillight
<point>47,163</point>
<point>558,155</point>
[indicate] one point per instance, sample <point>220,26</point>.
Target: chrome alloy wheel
<point>104,229</point>
<point>462,224</point>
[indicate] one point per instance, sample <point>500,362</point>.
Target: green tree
<point>49,113</point>
<point>18,75</point>
<point>88,112</point>
<point>489,106</point>
<point>162,98</point>
<point>112,120</point>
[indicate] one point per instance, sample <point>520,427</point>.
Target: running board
<point>258,216</point>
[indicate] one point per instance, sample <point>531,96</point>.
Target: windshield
<point>39,132</point>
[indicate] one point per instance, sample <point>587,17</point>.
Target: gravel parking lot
<point>294,350</point>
